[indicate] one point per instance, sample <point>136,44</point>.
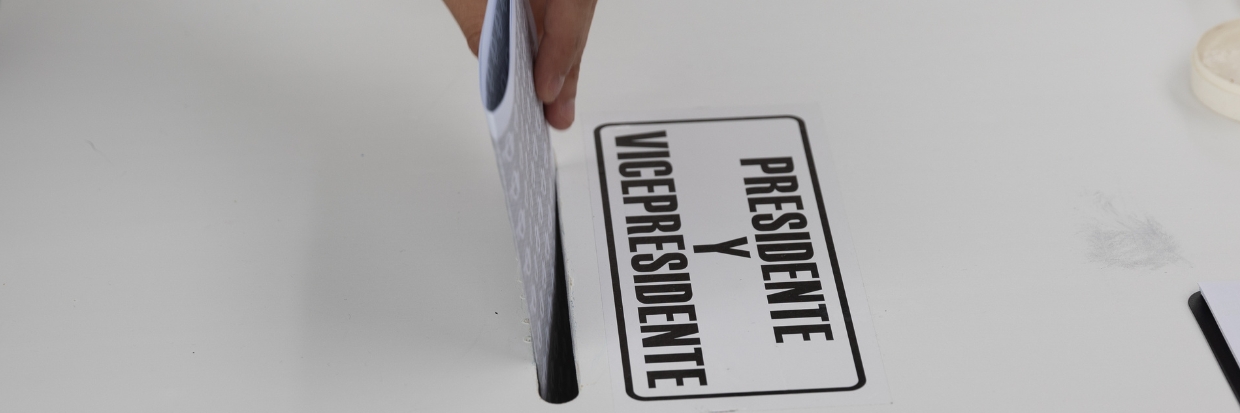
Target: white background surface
<point>293,205</point>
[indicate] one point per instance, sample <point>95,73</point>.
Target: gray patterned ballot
<point>526,167</point>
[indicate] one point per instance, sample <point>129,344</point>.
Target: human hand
<point>562,27</point>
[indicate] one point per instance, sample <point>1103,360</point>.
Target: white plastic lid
<point>1216,69</point>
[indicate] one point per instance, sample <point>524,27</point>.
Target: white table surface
<point>256,206</point>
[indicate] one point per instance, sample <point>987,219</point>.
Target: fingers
<point>562,111</point>
<point>565,25</point>
<point>469,15</point>
<point>538,8</point>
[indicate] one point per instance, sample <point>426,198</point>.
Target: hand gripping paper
<point>526,164</point>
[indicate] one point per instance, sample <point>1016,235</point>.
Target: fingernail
<point>557,85</point>
<point>571,109</point>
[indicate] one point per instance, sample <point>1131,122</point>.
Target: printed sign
<point>723,271</point>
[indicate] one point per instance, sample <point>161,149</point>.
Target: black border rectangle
<point>1218,343</point>
<point>615,272</point>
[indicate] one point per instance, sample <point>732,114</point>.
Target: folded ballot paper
<point>527,174</point>
<point>706,253</point>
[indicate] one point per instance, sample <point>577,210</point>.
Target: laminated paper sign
<point>728,280</point>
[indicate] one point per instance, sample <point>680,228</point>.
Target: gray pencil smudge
<point>93,148</point>
<point>1128,240</point>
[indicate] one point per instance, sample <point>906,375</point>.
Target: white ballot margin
<point>723,275</point>
<point>1223,297</point>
